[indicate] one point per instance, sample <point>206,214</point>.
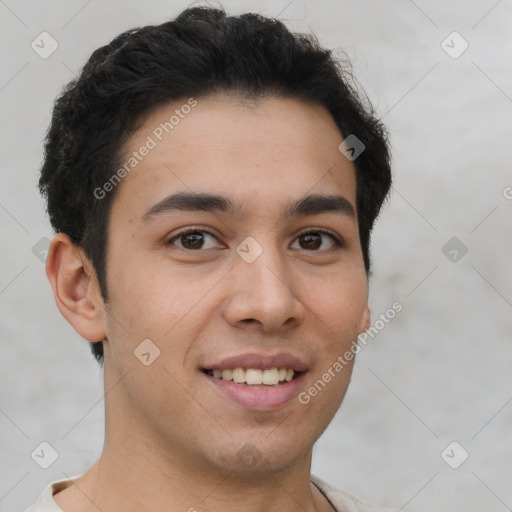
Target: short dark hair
<point>201,52</point>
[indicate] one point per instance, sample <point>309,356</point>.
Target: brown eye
<point>192,240</point>
<point>313,240</point>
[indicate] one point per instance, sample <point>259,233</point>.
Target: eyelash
<point>337,241</point>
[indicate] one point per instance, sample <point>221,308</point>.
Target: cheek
<point>156,300</point>
<point>339,302</point>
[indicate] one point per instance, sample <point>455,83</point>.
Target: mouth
<point>256,389</point>
<point>255,377</point>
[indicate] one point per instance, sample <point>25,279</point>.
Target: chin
<point>253,459</point>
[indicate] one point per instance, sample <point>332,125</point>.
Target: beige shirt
<point>340,500</point>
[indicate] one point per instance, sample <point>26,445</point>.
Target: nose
<point>262,294</point>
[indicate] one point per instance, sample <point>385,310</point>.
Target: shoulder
<point>344,501</point>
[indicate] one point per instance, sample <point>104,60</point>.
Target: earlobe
<point>75,288</point>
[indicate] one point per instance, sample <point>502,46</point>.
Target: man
<point>213,182</point>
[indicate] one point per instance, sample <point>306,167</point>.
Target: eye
<point>192,239</point>
<point>312,240</point>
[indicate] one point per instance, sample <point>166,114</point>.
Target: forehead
<point>262,152</point>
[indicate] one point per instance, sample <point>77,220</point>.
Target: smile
<point>261,397</point>
<point>254,376</point>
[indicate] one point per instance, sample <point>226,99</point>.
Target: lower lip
<point>258,398</point>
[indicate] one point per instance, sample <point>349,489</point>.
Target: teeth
<point>255,376</point>
<point>270,377</point>
<point>239,375</point>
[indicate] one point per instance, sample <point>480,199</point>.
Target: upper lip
<point>261,361</point>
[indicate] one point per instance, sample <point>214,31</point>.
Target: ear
<point>75,288</point>
<point>365,320</point>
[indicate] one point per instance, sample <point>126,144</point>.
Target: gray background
<point>438,372</point>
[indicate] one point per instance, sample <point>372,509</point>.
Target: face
<point>260,272</point>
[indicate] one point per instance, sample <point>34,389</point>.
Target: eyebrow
<point>312,204</point>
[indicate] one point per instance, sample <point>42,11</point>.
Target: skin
<point>171,441</point>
